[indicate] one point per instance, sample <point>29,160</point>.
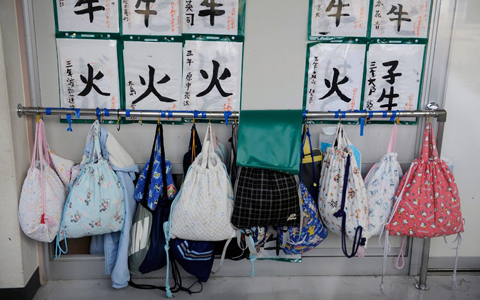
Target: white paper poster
<point>212,74</point>
<point>393,75</point>
<point>210,16</point>
<point>153,75</point>
<point>335,74</point>
<point>339,18</point>
<point>87,15</point>
<point>88,73</point>
<point>151,17</point>
<point>400,18</point>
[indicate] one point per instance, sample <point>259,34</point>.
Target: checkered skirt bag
<point>265,198</point>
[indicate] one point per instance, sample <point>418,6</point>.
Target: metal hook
<point>38,115</point>
<point>141,118</point>
<point>118,119</point>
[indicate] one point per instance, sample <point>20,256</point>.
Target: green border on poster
<point>321,38</point>
<point>331,40</point>
<point>400,41</point>
<point>149,39</point>
<point>242,5</point>
<point>89,120</point>
<point>210,38</point>
<point>87,34</point>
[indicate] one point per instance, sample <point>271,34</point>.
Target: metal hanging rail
<point>432,111</point>
<point>439,114</point>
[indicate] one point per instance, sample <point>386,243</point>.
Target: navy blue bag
<point>155,257</point>
<point>195,257</point>
<point>194,148</point>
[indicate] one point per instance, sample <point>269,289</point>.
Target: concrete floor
<point>266,288</point>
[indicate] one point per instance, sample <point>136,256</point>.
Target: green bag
<point>270,139</point>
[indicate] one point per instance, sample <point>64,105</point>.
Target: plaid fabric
<point>264,198</point>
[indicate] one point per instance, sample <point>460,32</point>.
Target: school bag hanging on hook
<point>382,183</point>
<point>95,204</point>
<point>203,207</point>
<point>43,194</point>
<point>147,239</point>
<point>311,232</point>
<point>427,201</point>
<point>343,200</point>
<point>158,172</point>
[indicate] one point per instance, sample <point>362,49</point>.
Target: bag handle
<point>148,178</point>
<point>191,146</point>
<point>233,157</point>
<point>35,148</point>
<point>308,136</point>
<point>340,137</point>
<point>208,142</point>
<point>393,139</point>
<point>209,135</point>
<point>95,152</point>
<point>163,161</point>
<point>41,149</point>
<point>358,240</point>
<point>43,137</point>
<point>40,146</point>
<point>429,148</point>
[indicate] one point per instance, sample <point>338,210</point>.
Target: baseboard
<point>447,263</point>
<point>94,268</point>
<point>26,293</point>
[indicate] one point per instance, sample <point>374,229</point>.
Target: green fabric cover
<point>270,139</point>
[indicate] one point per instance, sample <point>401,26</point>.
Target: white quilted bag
<point>381,183</point>
<point>343,208</point>
<point>203,207</point>
<point>43,194</point>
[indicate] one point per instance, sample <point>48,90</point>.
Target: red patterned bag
<point>428,204</point>
<point>427,201</point>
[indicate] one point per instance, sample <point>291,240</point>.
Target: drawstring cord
<point>386,246</point>
<point>457,240</point>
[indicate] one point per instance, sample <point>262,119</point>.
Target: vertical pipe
<point>422,283</point>
<point>31,49</point>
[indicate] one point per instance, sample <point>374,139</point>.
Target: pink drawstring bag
<point>43,194</point>
<point>427,202</point>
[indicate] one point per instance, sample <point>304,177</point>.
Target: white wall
<point>18,254</point>
<point>462,132</point>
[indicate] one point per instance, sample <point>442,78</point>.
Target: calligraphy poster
<point>400,18</point>
<point>212,75</point>
<point>88,73</point>
<point>147,17</point>
<point>339,18</point>
<point>153,75</point>
<point>87,15</point>
<point>210,16</point>
<point>335,76</point>
<point>393,76</point>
